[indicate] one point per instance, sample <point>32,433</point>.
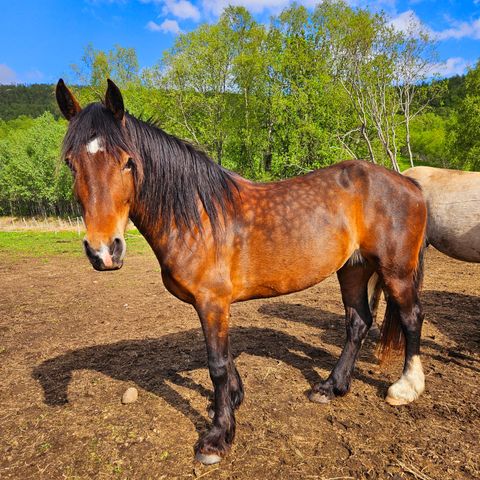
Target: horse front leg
<point>228,388</point>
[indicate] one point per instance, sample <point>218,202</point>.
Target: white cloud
<point>409,21</point>
<point>406,20</point>
<point>461,30</point>
<point>34,76</point>
<point>452,66</point>
<point>181,9</point>
<point>167,26</point>
<point>216,7</point>
<point>7,75</point>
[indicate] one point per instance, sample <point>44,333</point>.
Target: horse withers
<point>220,238</point>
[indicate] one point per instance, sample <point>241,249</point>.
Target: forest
<point>309,89</point>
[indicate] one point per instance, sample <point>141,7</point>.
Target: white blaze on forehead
<point>95,145</point>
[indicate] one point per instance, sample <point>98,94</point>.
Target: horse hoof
<point>396,402</point>
<point>318,397</point>
<point>207,458</point>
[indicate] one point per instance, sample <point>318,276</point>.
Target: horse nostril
<point>88,249</point>
<point>116,248</point>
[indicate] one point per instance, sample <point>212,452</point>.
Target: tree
<point>29,170</point>
<point>119,64</point>
<point>414,65</point>
<point>465,143</point>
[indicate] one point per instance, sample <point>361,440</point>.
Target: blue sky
<point>40,39</point>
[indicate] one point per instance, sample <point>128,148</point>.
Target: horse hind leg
<point>403,323</point>
<point>353,283</point>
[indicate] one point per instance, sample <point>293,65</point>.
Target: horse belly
<point>454,225</point>
<point>296,263</point>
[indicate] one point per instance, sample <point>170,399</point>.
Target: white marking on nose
<point>95,145</point>
<point>104,254</point>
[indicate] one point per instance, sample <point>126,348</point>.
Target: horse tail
<point>392,339</point>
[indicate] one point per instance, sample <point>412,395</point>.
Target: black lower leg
<point>217,441</point>
<point>412,319</point>
<point>412,382</point>
<point>358,319</point>
<point>235,385</point>
<point>338,382</point>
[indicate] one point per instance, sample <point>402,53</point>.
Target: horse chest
<point>176,287</point>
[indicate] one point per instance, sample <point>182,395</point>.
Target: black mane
<point>171,175</point>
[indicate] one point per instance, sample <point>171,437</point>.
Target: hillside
<point>29,100</point>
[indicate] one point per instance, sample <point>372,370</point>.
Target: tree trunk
<point>369,145</point>
<point>409,147</point>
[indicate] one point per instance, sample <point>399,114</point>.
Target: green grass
<point>48,244</point>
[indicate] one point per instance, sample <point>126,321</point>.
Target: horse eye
<point>129,165</point>
<point>69,165</point>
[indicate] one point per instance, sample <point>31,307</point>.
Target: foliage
<point>31,181</point>
<point>311,88</point>
<point>465,141</point>
<point>31,100</point>
<point>429,139</point>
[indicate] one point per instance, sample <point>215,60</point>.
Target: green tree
<point>465,141</point>
<point>30,182</point>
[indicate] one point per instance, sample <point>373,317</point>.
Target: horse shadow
<point>441,309</point>
<point>331,326</point>
<point>154,363</point>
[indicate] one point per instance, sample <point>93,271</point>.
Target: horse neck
<point>166,241</point>
<point>153,231</point>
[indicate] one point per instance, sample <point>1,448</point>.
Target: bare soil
<point>72,340</point>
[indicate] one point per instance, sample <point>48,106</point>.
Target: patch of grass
<point>48,244</point>
<point>44,447</point>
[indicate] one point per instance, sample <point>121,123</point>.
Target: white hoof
<point>207,458</point>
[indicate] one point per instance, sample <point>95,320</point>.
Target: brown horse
<point>220,238</point>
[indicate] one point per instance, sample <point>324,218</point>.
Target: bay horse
<point>453,215</point>
<point>220,238</point>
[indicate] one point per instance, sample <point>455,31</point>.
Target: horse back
<point>294,233</point>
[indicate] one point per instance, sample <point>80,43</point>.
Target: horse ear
<point>66,101</point>
<point>114,101</point>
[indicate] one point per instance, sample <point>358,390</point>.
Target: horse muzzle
<point>107,257</point>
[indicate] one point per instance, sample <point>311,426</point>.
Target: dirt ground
<point>72,340</point>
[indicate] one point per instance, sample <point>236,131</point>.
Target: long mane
<point>173,178</point>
